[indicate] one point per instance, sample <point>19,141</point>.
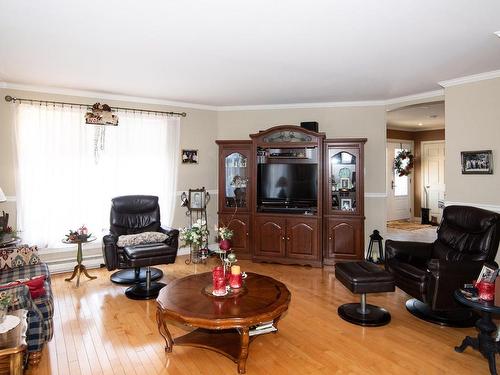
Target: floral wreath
<point>398,163</point>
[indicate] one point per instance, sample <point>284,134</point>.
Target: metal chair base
<point>364,314</point>
<point>147,290</point>
<point>453,318</point>
<point>132,276</point>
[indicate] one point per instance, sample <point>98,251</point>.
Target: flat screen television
<point>287,184</point>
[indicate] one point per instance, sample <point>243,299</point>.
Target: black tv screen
<point>291,182</point>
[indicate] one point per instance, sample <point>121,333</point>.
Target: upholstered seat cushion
<point>364,277</point>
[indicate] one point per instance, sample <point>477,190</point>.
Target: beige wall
<point>198,131</point>
<point>369,122</point>
<point>472,123</point>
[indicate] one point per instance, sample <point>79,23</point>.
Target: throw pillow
<point>140,238</point>
<point>20,256</point>
<point>35,285</point>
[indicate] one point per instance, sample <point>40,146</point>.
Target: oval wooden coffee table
<point>223,323</point>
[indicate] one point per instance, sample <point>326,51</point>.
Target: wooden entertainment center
<point>293,197</point>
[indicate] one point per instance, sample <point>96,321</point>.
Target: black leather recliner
<point>134,214</point>
<point>467,238</point>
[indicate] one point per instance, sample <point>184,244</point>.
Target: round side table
<point>484,342</point>
<point>79,268</point>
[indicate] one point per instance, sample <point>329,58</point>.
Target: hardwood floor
<point>99,331</point>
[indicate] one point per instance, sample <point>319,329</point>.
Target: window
<point>62,183</point>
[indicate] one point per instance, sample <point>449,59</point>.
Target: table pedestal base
<point>484,342</point>
<point>79,268</point>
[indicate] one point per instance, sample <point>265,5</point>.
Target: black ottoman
<point>147,255</point>
<point>362,278</point>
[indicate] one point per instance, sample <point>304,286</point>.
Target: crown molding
<point>470,79</point>
<point>420,96</point>
<point>363,103</point>
<point>138,99</point>
<point>412,130</point>
<point>102,95</point>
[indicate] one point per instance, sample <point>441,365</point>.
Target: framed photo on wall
<point>189,156</point>
<point>196,200</point>
<point>477,162</point>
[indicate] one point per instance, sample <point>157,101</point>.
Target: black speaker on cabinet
<point>310,125</point>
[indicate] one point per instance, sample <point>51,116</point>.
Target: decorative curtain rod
<point>9,99</point>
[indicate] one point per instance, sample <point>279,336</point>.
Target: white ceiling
<point>235,52</point>
<point>425,116</point>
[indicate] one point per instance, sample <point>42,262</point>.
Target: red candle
<point>235,281</point>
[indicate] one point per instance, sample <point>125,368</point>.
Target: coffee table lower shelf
<point>227,342</point>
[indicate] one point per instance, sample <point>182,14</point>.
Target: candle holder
<point>218,282</point>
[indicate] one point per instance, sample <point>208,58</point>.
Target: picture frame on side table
<point>477,162</point>
<point>488,274</point>
<point>189,156</point>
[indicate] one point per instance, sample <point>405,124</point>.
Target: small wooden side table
<point>13,346</point>
<point>484,342</point>
<point>79,268</point>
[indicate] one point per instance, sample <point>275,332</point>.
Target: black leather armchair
<point>467,238</point>
<point>134,214</point>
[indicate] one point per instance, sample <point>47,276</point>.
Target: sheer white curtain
<point>60,186</point>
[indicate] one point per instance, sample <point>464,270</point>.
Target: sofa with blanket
<point>27,280</point>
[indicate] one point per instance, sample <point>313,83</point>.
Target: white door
<point>433,176</point>
<point>399,188</point>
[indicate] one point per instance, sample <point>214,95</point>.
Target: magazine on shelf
<point>262,328</point>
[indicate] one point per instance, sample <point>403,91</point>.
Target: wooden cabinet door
<point>234,178</point>
<point>302,238</point>
<point>240,225</point>
<point>269,236</point>
<point>345,238</point>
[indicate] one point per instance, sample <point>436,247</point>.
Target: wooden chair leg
<point>34,358</point>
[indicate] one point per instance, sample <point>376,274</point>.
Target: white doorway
<point>400,192</point>
<point>433,156</point>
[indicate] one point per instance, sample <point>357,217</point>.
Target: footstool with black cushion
<point>148,255</point>
<point>362,278</point>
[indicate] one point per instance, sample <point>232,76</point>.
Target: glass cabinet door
<point>342,179</point>
<point>236,180</point>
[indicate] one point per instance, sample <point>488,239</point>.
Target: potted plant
<point>225,234</point>
<point>196,236</point>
